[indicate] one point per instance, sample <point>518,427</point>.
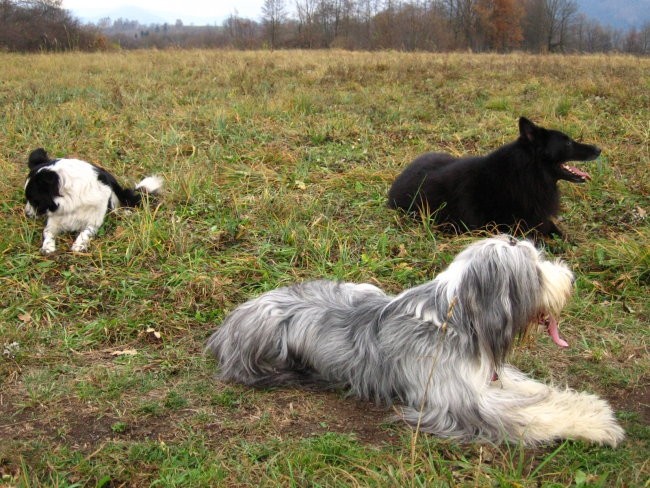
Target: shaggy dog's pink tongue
<point>553,330</point>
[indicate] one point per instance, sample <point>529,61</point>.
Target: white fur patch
<point>557,283</point>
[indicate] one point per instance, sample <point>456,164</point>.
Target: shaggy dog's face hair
<point>511,189</point>
<point>74,196</point>
<point>438,349</point>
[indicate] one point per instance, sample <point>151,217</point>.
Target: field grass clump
<point>276,166</point>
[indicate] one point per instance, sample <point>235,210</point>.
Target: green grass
<point>277,166</point>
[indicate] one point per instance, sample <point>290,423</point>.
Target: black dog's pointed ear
<point>527,129</point>
<point>36,157</point>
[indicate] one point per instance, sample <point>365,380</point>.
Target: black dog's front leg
<point>549,228</point>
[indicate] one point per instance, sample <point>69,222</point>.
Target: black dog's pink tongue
<point>554,331</point>
<point>576,171</point>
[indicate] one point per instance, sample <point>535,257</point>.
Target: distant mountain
<point>127,12</point>
<point>621,14</point>
<point>91,14</point>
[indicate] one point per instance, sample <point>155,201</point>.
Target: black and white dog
<point>74,195</point>
<point>439,349</point>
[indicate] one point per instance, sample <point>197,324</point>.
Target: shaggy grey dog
<point>439,349</point>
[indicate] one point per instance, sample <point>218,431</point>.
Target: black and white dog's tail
<point>151,185</point>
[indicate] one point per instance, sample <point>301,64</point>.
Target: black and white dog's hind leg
<point>120,197</point>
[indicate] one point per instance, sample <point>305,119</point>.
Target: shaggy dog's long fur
<point>439,349</point>
<point>74,195</point>
<point>511,189</point>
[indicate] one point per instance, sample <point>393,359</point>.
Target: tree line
<point>444,25</point>
<point>36,25</point>
<point>540,26</point>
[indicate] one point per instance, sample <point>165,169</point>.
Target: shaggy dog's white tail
<point>516,407</point>
<point>537,413</point>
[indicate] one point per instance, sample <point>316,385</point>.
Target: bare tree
<point>644,38</point>
<point>385,24</point>
<point>462,16</point>
<point>242,33</point>
<point>39,4</point>
<point>306,10</point>
<point>365,13</point>
<point>274,15</point>
<point>558,15</point>
<point>547,25</point>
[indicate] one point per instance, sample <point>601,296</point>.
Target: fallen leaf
<point>25,317</point>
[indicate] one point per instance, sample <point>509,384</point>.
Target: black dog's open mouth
<point>571,173</point>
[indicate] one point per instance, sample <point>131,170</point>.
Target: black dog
<point>511,189</point>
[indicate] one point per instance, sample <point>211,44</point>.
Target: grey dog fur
<point>435,348</point>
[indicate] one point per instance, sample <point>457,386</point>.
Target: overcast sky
<point>190,11</point>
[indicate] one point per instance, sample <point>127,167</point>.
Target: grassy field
<point>277,166</point>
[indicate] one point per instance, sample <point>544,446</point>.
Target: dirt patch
<point>636,400</point>
<point>283,414</point>
<point>306,413</point>
<point>294,414</point>
<point>73,424</point>
<point>345,415</point>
